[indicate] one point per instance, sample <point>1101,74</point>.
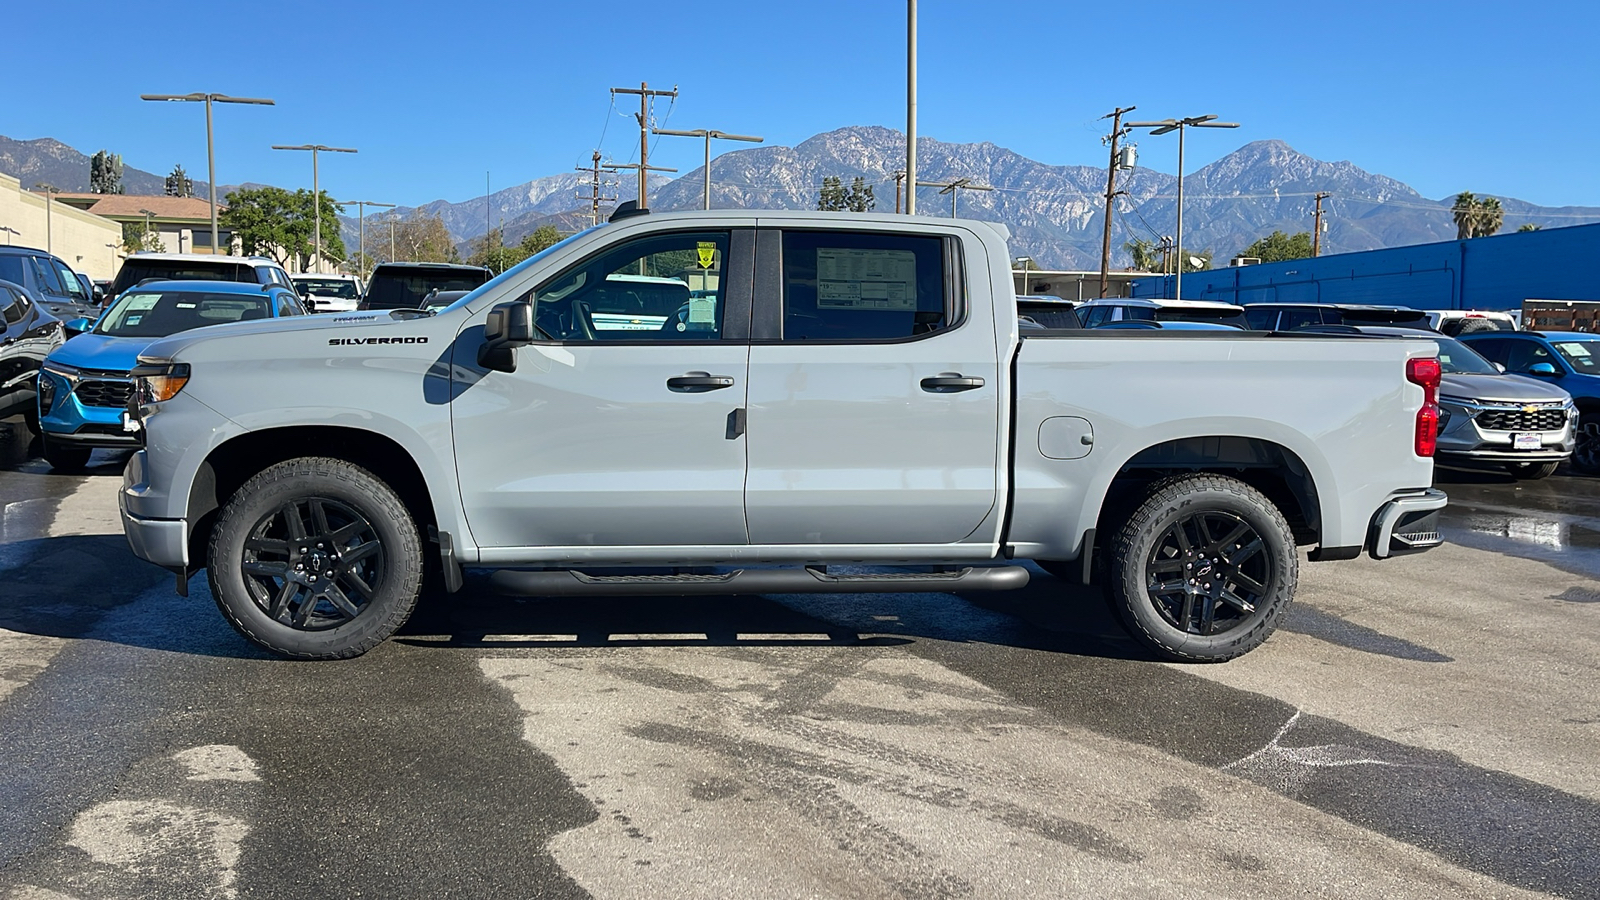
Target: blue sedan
<point>84,384</point>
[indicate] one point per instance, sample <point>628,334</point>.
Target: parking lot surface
<point>1422,727</point>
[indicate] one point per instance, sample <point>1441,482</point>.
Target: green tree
<point>832,197</point>
<point>1146,255</point>
<point>136,239</point>
<point>105,173</point>
<point>493,254</point>
<point>1477,217</point>
<point>1280,247</point>
<point>179,184</point>
<point>860,198</point>
<point>541,238</point>
<point>272,222</point>
<point>1529,226</point>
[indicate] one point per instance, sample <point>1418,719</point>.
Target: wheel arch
<point>1268,466</point>
<point>230,464</point>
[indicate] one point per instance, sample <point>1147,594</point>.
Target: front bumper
<point>1463,436</point>
<point>164,542</point>
<point>1407,524</point>
<point>70,420</point>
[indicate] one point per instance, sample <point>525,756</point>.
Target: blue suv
<point>85,383</point>
<point>1569,360</point>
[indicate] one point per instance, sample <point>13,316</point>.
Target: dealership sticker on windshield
<point>1527,441</point>
<point>1573,349</point>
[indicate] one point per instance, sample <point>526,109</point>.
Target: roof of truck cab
<point>178,285</point>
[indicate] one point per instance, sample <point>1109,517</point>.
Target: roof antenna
<point>627,209</point>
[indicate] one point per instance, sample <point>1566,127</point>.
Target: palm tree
<point>1143,253</point>
<point>1465,211</point>
<point>1490,217</point>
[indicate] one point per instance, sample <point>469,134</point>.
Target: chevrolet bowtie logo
<point>1530,409</point>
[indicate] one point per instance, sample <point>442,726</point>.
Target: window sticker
<point>702,313</point>
<point>1573,349</point>
<point>186,306</point>
<point>866,279</point>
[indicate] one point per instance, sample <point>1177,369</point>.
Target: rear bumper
<point>1407,524</point>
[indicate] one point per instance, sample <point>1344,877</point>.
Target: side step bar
<point>570,583</point>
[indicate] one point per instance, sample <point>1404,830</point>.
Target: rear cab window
<point>866,286</point>
<point>135,270</point>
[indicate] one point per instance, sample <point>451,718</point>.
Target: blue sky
<point>1493,97</point>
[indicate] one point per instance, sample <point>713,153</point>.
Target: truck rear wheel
<point>1202,569</point>
<point>315,558</point>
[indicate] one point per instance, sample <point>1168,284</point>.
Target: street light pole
<point>911,107</point>
<point>113,248</point>
<point>49,199</point>
<point>361,216</point>
<point>211,156</point>
<point>9,232</point>
<point>708,135</point>
<point>145,242</point>
<point>316,194</point>
<point>1162,127</point>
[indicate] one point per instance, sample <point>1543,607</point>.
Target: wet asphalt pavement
<point>1423,727</point>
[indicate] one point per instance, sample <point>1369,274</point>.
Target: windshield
<point>1456,358</point>
<point>147,314</point>
<point>135,270</point>
<point>1583,356</point>
<point>407,288</point>
<point>337,288</point>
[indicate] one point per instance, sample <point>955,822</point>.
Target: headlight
<point>47,393</point>
<point>157,381</point>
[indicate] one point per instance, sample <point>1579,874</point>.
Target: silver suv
<point>1486,415</point>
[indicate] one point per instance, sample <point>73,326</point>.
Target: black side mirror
<point>509,326</point>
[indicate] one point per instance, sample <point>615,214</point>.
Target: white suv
<point>329,293</point>
<point>197,267</point>
<point>1101,312</point>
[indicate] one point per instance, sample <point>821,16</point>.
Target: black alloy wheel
<point>1206,573</point>
<point>313,563</point>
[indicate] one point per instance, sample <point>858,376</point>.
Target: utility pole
<point>1111,193</point>
<point>708,135</point>
<point>594,197</point>
<point>645,93</point>
<point>899,181</point>
<point>316,194</point>
<point>1316,229</point>
<point>637,168</point>
<point>953,188</point>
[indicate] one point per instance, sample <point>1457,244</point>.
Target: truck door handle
<point>698,383</point>
<point>951,383</point>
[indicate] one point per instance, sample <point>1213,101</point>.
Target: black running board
<point>569,583</point>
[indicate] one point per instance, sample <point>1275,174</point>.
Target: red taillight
<point>1425,372</point>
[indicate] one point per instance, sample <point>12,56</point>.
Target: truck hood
<point>101,351</point>
<point>1500,389</point>
<point>173,345</point>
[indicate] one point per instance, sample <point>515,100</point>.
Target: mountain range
<point>1054,212</point>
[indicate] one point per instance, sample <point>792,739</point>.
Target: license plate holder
<point>1534,441</point>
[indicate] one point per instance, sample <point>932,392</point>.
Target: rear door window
<point>864,286</point>
<point>45,275</point>
<point>70,279</point>
<point>12,307</point>
<point>1261,319</point>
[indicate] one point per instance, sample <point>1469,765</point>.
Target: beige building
<point>87,242</point>
<point>182,223</point>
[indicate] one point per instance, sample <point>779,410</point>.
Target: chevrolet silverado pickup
<point>829,403</point>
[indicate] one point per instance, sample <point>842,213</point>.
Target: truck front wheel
<point>315,558</point>
<point>1203,568</point>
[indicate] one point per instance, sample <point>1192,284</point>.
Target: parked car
<point>861,394</point>
<point>198,267</point>
<point>1457,322</point>
<point>1485,415</point>
<point>28,333</point>
<point>406,285</point>
<point>1152,325</point>
<point>1048,312</point>
<point>1567,359</point>
<point>84,384</point>
<point>329,293</point>
<point>89,288</point>
<point>1095,313</point>
<point>1291,316</point>
<point>47,280</point>
<point>1384,316</point>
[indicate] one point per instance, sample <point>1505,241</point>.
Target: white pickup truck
<point>743,402</point>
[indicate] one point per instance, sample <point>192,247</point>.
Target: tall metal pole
<point>49,232</point>
<point>708,134</point>
<point>1111,193</point>
<point>211,176</point>
<point>708,171</point>
<point>316,193</point>
<point>911,108</point>
<point>1177,276</point>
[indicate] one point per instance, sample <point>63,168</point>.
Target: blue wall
<point>1482,273</point>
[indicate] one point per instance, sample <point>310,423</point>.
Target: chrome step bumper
<point>570,583</point>
<point>1407,524</point>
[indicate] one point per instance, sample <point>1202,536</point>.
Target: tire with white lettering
<point>315,558</point>
<point>1203,569</point>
